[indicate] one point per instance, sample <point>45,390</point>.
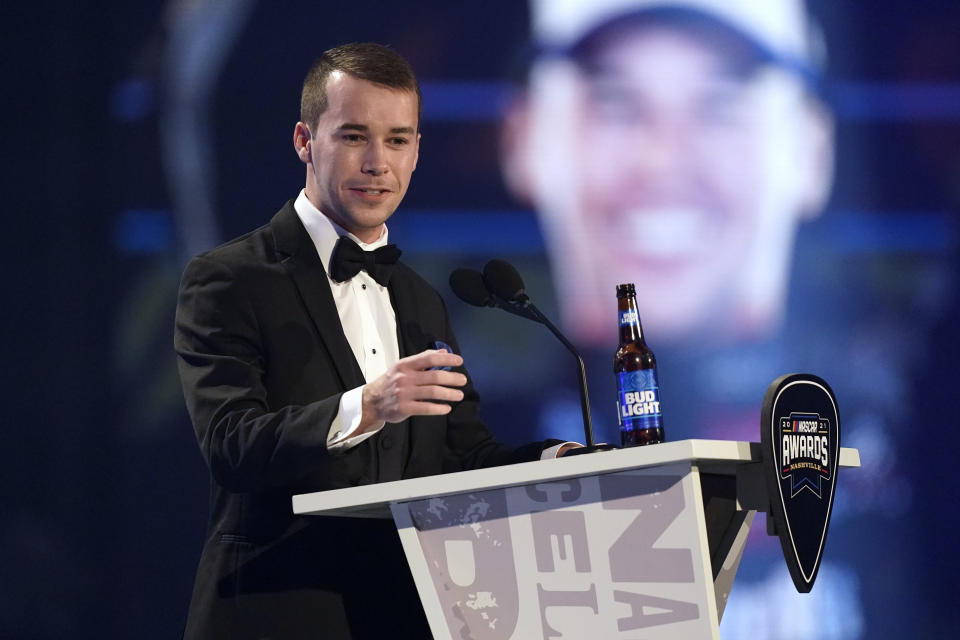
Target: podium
<point>632,543</point>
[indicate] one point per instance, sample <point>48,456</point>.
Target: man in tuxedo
<point>310,360</point>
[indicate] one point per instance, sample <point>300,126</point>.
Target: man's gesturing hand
<point>408,387</point>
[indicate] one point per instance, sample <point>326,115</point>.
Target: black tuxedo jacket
<point>264,361</point>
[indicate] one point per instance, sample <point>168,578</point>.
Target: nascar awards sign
<point>800,436</point>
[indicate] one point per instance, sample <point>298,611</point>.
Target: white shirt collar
<point>325,232</point>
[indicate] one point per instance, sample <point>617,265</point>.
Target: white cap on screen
<point>779,26</point>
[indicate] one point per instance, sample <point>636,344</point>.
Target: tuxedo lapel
<point>299,257</point>
<point>411,338</point>
<point>401,297</point>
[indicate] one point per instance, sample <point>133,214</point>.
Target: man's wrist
<point>368,414</point>
<point>347,429</point>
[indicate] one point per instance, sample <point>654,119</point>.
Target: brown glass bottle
<point>638,399</point>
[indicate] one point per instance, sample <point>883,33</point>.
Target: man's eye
<point>399,141</point>
<point>723,109</point>
<point>614,104</point>
<point>352,137</point>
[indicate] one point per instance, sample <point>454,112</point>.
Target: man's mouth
<point>370,191</point>
<point>372,195</point>
<point>666,233</point>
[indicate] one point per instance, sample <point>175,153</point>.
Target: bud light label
<point>628,318</point>
<point>639,400</point>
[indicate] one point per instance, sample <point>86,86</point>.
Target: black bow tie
<point>348,259</point>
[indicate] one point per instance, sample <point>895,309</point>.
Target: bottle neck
<point>630,328</point>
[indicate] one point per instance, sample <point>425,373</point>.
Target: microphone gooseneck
<point>503,287</point>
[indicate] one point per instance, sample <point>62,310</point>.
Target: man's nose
<point>374,160</point>
<point>662,154</point>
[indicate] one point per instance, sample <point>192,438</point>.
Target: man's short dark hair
<point>363,60</point>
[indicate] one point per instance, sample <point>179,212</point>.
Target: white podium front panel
<point>603,546</point>
<point>620,555</point>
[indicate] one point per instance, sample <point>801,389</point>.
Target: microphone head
<point>468,285</point>
<point>503,280</point>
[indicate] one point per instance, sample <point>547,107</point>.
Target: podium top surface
<point>721,456</point>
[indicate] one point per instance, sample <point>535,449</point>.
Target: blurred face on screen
<point>673,162</point>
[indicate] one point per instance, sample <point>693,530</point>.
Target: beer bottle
<point>638,402</point>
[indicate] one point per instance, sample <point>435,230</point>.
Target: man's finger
<point>433,358</point>
<point>426,409</point>
<point>436,392</point>
<point>439,377</point>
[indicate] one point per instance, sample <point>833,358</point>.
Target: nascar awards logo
<point>805,450</point>
<point>800,439</point>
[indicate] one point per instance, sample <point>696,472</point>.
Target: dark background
<point>104,490</point>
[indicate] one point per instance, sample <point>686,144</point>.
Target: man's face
<point>676,172</point>
<point>361,153</point>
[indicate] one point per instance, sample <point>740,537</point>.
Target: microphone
<point>503,288</point>
<point>470,286</point>
<point>504,281</point>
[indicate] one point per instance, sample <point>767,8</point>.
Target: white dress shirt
<point>366,315</point>
<point>368,320</point>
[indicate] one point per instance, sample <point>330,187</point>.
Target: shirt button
<point>363,286</point>
<point>374,350</point>
<point>386,442</point>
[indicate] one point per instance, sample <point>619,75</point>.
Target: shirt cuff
<point>347,421</point>
<point>551,452</point>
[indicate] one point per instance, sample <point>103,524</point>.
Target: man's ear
<point>514,148</point>
<point>301,142</point>
<point>817,158</point>
<point>416,159</point>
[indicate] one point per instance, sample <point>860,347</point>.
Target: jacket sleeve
<point>221,360</point>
